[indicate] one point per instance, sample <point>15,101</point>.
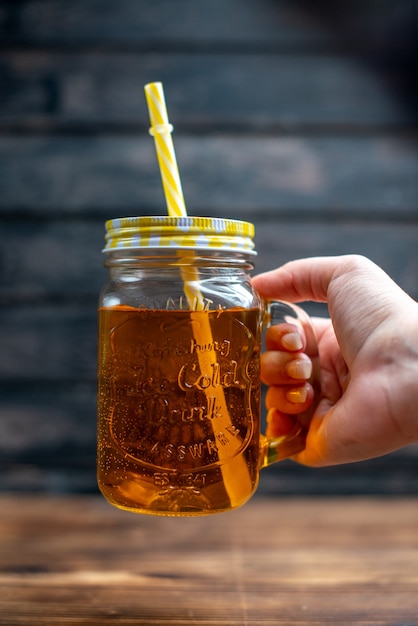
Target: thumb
<point>303,279</point>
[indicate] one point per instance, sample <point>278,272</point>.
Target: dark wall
<point>298,116</point>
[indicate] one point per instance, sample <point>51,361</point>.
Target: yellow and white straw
<point>161,130</point>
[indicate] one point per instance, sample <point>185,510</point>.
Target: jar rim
<point>190,232</point>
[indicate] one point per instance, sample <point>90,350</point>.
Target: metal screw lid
<point>195,233</point>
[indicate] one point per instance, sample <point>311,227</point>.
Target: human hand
<point>368,350</point>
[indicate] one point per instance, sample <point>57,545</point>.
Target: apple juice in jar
<point>178,367</point>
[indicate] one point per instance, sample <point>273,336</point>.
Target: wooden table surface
<point>77,560</point>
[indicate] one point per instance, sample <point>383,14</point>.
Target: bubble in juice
<point>178,409</point>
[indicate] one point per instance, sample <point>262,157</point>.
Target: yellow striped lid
<point>195,233</point>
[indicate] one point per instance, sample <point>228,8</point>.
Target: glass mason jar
<point>178,368</point>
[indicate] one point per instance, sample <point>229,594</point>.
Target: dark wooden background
<point>299,116</point>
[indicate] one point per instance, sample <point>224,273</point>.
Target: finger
<point>285,337</point>
<point>279,424</point>
<point>290,399</point>
<point>283,368</point>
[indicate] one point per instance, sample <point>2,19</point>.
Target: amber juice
<point>178,409</point>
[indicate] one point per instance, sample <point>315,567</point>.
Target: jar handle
<point>273,449</point>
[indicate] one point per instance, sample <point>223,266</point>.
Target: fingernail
<point>298,395</point>
<point>299,369</point>
<point>292,341</point>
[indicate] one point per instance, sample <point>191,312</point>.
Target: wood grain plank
<point>52,259</point>
<point>326,164</point>
<point>281,561</point>
<point>233,176</point>
<point>58,341</point>
<point>228,22</point>
<point>393,477</point>
<point>58,344</point>
<point>393,246</point>
<point>48,425</point>
<point>48,444</point>
<point>61,260</point>
<point>223,606</point>
<point>259,91</point>
<point>61,466</point>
